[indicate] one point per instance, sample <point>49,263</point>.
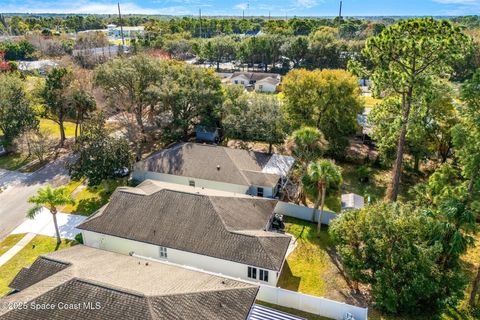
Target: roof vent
<point>218,167</point>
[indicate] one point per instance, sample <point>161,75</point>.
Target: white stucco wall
<point>239,80</point>
<point>125,246</point>
<point>138,175</point>
<point>267,87</point>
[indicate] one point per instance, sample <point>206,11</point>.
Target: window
<point>191,183</point>
<point>252,273</point>
<point>163,252</point>
<point>259,191</point>
<point>260,87</point>
<point>263,275</point>
<point>236,81</point>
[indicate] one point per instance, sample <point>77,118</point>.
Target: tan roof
<point>214,163</point>
<point>127,288</point>
<point>154,214</point>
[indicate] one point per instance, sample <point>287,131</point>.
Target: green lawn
<point>38,246</point>
<point>9,242</point>
<point>90,199</point>
<point>53,127</point>
<point>310,269</point>
<point>13,161</point>
<point>377,185</point>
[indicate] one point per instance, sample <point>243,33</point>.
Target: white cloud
<point>464,2</point>
<point>87,6</point>
<point>306,3</point>
<point>241,6</point>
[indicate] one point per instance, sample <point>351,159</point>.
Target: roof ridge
<point>236,165</point>
<point>250,286</point>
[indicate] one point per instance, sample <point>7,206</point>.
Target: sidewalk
<point>43,224</point>
<point>16,248</point>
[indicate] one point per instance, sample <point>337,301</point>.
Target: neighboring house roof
<point>36,65</point>
<point>256,76</point>
<point>215,163</point>
<point>230,228</point>
<point>352,201</point>
<point>269,80</point>
<point>125,288</point>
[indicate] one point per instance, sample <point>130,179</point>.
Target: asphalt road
<point>13,201</point>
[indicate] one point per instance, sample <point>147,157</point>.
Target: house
<point>207,229</point>
<point>267,82</point>
<point>128,32</point>
<point>87,283</point>
<point>352,201</point>
<point>217,167</point>
<point>42,66</point>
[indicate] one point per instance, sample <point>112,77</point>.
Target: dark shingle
<point>178,220</point>
<point>41,269</point>
<point>212,163</point>
<point>107,286</point>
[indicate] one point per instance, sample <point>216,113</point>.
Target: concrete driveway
<point>13,201</point>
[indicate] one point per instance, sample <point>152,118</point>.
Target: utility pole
<point>340,13</point>
<point>121,24</point>
<point>200,17</point>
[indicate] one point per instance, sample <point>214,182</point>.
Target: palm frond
<point>32,212</point>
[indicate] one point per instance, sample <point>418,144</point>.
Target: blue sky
<point>251,7</point>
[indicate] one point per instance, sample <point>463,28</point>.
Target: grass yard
<point>38,246</point>
<point>310,269</point>
<point>9,242</point>
<point>51,126</point>
<point>13,161</point>
<point>377,185</point>
<point>90,199</point>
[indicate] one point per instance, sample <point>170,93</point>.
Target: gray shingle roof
<point>214,163</point>
<point>41,269</point>
<point>127,288</point>
<point>170,218</point>
<point>256,76</point>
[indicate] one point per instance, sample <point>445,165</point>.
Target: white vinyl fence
<point>302,212</point>
<point>315,305</point>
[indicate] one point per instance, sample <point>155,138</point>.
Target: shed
<point>352,201</point>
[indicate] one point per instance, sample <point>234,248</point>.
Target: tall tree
<point>98,155</point>
<point>128,84</point>
<point>466,135</point>
<point>56,97</point>
<point>328,100</point>
<point>251,116</point>
<point>408,255</point>
<point>83,103</point>
<point>218,49</point>
<point>306,144</point>
<point>405,56</point>
<point>16,113</point>
<point>320,176</point>
<point>51,199</point>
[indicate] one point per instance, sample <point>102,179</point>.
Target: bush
<point>79,238</point>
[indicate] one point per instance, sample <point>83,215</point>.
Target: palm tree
<point>320,176</point>
<point>50,198</point>
<point>305,144</point>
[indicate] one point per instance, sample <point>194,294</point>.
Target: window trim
<point>163,252</point>
<point>263,275</point>
<point>252,272</point>
<point>260,193</point>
